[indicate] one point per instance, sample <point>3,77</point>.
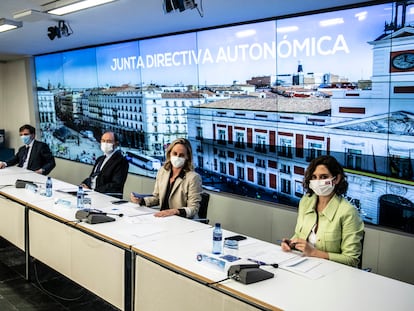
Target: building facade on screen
<point>269,143</point>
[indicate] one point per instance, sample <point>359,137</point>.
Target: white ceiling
<point>134,19</point>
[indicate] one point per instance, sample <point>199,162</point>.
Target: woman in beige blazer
<point>177,187</point>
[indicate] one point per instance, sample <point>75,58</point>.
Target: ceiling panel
<point>132,19</point>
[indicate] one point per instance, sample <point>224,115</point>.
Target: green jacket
<point>340,228</point>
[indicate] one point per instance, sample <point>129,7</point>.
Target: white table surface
<point>177,241</point>
<point>338,286</point>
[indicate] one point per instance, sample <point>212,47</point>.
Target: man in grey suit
<point>34,155</point>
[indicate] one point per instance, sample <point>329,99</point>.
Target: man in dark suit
<point>34,155</point>
<point>110,170</point>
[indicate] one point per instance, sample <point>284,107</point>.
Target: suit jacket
<point>112,176</point>
<point>340,228</point>
<point>185,194</point>
<point>40,157</point>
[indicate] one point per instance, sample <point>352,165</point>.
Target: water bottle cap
<point>217,224</point>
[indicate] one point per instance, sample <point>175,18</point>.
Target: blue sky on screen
<point>79,68</point>
<point>238,53</point>
<point>334,42</point>
<point>350,30</point>
<point>110,77</point>
<point>159,69</point>
<point>49,68</point>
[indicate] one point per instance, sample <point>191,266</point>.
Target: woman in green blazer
<point>328,226</point>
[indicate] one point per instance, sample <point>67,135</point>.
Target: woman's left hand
<point>167,212</point>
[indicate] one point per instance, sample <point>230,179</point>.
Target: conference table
<point>141,262</point>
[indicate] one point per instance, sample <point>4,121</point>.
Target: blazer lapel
<point>110,161</point>
<point>308,225</point>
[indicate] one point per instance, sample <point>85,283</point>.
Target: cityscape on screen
<point>258,102</point>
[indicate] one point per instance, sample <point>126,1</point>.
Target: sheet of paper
<point>146,230</point>
<point>311,268</point>
<point>132,210</point>
<point>302,264</point>
<point>146,219</point>
<point>264,252</point>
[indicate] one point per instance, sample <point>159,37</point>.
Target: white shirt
<point>26,162</point>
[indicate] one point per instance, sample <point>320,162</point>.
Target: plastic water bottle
<point>49,187</point>
<point>217,239</point>
<point>79,197</point>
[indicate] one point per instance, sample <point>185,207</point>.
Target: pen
<point>257,261</point>
<point>261,263</point>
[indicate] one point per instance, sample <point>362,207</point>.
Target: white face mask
<point>322,187</point>
<point>177,162</point>
<point>107,147</point>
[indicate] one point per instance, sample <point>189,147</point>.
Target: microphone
<point>20,183</point>
<point>84,213</point>
<point>95,217</point>
<point>113,214</point>
<point>105,214</point>
<point>248,273</point>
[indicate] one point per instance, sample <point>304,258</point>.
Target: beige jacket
<point>185,194</point>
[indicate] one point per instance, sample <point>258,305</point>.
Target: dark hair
<point>31,129</point>
<point>113,134</point>
<point>333,167</point>
<point>188,165</point>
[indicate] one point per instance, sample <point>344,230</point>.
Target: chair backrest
<point>367,269</point>
<point>202,211</point>
<point>362,251</point>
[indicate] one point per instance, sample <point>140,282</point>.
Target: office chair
<point>202,211</point>
<point>360,256</point>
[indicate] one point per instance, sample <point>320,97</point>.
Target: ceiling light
<point>7,24</point>
<point>30,16</point>
<point>62,7</point>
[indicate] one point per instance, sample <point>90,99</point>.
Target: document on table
<point>312,268</point>
<point>147,224</point>
<point>132,210</point>
<point>301,264</point>
<point>146,219</point>
<point>264,252</point>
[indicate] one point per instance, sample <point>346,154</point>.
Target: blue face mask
<point>26,139</point>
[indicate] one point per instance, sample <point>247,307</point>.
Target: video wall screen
<point>258,102</point>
